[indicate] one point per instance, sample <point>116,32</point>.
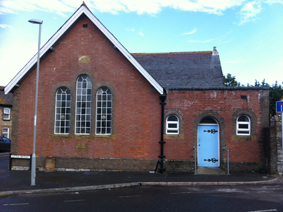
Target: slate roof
<point>6,100</point>
<point>184,70</point>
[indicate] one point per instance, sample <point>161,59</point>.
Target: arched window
<point>243,125</point>
<point>83,104</point>
<point>172,124</point>
<point>63,111</point>
<point>103,111</point>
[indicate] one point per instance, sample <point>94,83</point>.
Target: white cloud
<point>116,6</point>
<point>155,6</point>
<point>273,1</point>
<point>235,61</point>
<point>13,6</point>
<point>249,11</point>
<point>141,34</point>
<point>218,40</point>
<point>200,41</point>
<point>220,4</point>
<point>7,56</point>
<point>191,32</point>
<point>130,29</point>
<point>5,26</point>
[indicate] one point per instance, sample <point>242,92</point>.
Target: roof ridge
<point>173,53</point>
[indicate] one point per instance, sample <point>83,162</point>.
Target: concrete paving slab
<point>210,171</point>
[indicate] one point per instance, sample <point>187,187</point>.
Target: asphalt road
<point>253,198</point>
<point>212,199</point>
<point>4,160</point>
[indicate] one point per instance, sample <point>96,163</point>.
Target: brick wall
<point>136,109</point>
<point>225,107</point>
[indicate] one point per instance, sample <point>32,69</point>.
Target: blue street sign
<point>279,107</point>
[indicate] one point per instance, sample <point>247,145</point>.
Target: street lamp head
<point>35,21</point>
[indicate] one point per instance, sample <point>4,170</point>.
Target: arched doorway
<point>208,142</point>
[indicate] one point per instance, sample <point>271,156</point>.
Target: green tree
<point>275,91</point>
<point>230,81</point>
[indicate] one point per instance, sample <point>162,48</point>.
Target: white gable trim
<point>62,30</point>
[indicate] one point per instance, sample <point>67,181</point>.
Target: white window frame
<point>103,111</point>
<point>7,133</point>
<point>172,128</point>
<point>83,105</point>
<point>63,111</point>
<point>248,129</point>
<point>7,113</point>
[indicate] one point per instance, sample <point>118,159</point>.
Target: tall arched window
<point>83,104</point>
<point>243,125</point>
<point>63,111</point>
<point>103,111</point>
<point>172,124</point>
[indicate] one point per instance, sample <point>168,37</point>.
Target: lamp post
<point>33,159</point>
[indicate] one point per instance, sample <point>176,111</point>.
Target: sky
<point>248,34</point>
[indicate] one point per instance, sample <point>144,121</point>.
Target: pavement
<point>18,182</point>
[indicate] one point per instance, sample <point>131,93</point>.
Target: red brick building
<point>102,108</point>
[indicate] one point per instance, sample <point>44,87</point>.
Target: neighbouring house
<point>103,108</point>
<point>6,104</point>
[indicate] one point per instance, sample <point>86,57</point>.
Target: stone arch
<point>222,129</point>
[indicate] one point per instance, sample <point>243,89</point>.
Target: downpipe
<point>162,142</point>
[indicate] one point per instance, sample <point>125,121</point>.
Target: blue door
<point>208,145</point>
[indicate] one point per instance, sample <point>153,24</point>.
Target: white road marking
<point>15,204</point>
<point>75,200</point>
<point>181,193</point>
<point>129,196</point>
<point>264,210</point>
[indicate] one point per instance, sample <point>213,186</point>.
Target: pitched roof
<point>5,99</point>
<point>184,70</point>
<point>83,9</point>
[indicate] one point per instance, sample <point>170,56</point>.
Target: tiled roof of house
<point>184,70</point>
<point>5,99</point>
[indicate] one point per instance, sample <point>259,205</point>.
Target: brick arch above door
<point>221,124</point>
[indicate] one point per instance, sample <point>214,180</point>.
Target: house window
<point>103,111</point>
<point>243,125</point>
<point>83,104</point>
<point>172,125</point>
<point>5,132</point>
<point>63,111</point>
<point>6,114</point>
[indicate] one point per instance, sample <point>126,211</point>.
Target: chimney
<point>214,52</point>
